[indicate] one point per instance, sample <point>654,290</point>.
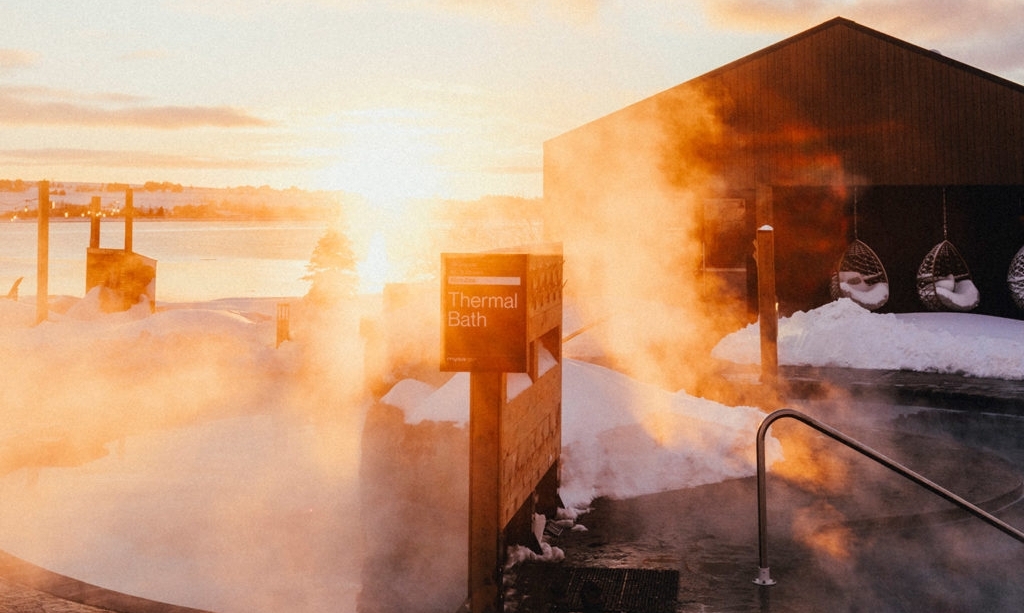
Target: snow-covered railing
<point>764,576</point>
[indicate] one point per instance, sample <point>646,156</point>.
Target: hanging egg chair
<point>859,274</point>
<point>861,277</point>
<point>943,279</point>
<point>1015,278</point>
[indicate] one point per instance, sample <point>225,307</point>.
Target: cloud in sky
<point>928,19</point>
<point>499,10</point>
<point>104,158</point>
<point>11,59</point>
<point>43,106</point>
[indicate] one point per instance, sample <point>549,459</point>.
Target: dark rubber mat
<point>570,589</point>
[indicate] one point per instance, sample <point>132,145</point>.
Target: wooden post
<point>283,317</point>
<point>94,223</point>
<point>486,397</point>
<point>767,306</point>
<point>764,205</point>
<point>43,254</point>
<point>129,218</point>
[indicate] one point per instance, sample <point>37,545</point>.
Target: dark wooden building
<point>837,133</point>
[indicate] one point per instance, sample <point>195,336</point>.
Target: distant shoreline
<point>147,219</point>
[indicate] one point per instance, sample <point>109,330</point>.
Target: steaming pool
<point>237,514</point>
<point>915,565</point>
<point>822,560</point>
<point>243,514</point>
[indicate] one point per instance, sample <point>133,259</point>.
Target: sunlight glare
<point>388,156</point>
<point>375,269</point>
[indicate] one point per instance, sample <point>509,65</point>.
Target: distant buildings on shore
<point>68,200</point>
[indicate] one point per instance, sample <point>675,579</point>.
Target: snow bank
<point>407,394</point>
<point>843,334</point>
<point>621,438</point>
<point>118,371</point>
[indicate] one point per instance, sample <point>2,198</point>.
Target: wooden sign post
<point>501,316</point>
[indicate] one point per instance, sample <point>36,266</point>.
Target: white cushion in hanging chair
<point>869,295</point>
<point>860,276</point>
<point>957,295</point>
<point>944,281</point>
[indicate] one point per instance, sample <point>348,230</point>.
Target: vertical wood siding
<point>890,112</point>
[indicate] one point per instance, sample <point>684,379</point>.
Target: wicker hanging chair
<point>943,279</point>
<point>861,277</point>
<point>1015,278</point>
<point>859,274</point>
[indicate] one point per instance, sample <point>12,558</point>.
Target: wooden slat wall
<point>905,117</point>
<point>889,112</point>
<point>893,113</point>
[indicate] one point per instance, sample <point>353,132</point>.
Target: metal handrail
<point>764,575</point>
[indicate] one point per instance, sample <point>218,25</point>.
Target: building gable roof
<point>883,110</point>
<point>842,22</point>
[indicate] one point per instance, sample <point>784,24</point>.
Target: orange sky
<point>393,98</point>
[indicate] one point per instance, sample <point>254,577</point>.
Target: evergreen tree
<point>332,269</point>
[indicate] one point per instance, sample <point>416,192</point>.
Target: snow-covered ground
<point>620,438</point>
<point>205,471</point>
<point>843,334</point>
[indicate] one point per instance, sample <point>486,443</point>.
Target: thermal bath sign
<point>483,312</point>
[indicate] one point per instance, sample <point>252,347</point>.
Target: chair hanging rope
<point>943,279</point>
<point>859,274</point>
